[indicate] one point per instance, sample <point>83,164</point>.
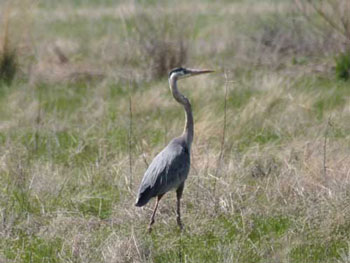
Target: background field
<point>85,106</point>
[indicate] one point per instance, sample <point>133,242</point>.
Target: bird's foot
<point>149,229</point>
<point>179,223</point>
<point>150,225</point>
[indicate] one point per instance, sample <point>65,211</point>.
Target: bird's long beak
<point>194,72</point>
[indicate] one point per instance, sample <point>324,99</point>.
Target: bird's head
<point>181,73</point>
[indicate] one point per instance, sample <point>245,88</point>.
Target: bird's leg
<point>154,213</point>
<point>178,196</point>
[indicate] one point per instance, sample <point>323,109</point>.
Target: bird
<point>169,169</point>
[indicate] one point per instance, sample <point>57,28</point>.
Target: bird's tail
<point>143,198</point>
<point>141,202</point>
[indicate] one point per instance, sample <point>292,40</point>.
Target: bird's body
<point>170,168</point>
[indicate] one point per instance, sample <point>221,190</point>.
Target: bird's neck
<point>180,98</point>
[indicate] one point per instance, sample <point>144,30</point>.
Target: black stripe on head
<point>178,70</point>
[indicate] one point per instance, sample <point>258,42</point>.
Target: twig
<point>135,243</point>
<point>325,148</point>
<point>37,120</point>
<point>180,248</point>
<point>327,18</point>
<point>340,25</point>
<point>130,142</point>
<point>222,147</point>
<point>144,155</point>
<point>224,129</point>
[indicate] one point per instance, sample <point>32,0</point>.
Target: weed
<point>162,47</point>
<point>8,55</point>
<point>342,66</point>
<point>317,252</point>
<point>8,65</point>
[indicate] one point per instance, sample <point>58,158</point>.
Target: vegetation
<point>8,56</point>
<point>276,190</point>
<point>342,67</point>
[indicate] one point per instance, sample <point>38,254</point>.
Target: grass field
<point>89,107</point>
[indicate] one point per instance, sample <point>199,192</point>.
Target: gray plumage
<point>170,168</point>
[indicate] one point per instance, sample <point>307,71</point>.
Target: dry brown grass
<point>65,188</point>
<point>334,13</point>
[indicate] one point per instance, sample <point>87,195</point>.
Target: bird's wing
<point>167,171</point>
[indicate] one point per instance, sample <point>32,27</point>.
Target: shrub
<point>8,65</point>
<point>161,43</point>
<point>342,66</point>
<point>8,56</point>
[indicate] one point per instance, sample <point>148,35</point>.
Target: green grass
<point>221,239</point>
<point>59,147</point>
<point>331,94</point>
<point>342,67</point>
<point>273,226</point>
<point>33,249</point>
<point>61,99</point>
<point>84,29</point>
<point>316,252</point>
<point>76,3</point>
<point>329,102</point>
<point>239,98</point>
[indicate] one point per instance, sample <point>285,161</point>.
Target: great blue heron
<point>169,169</point>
